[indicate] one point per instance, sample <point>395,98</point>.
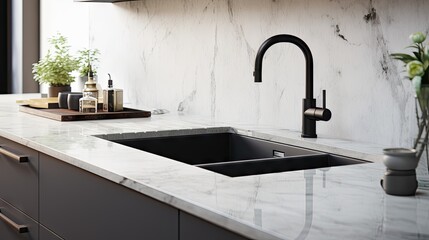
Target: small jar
<point>88,103</point>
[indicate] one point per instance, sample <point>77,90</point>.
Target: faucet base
<point>309,135</point>
<point>308,125</point>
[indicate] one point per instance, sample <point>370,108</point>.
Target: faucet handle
<point>324,98</point>
<point>318,113</point>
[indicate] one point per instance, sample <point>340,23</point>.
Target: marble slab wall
<point>197,57</point>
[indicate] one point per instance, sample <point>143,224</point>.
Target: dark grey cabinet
<point>15,225</point>
<point>19,176</point>
<point>194,228</point>
<point>56,200</point>
<point>76,204</point>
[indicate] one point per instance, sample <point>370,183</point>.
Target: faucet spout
<point>310,113</point>
<point>304,48</point>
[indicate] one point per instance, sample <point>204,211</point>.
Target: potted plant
<point>417,69</point>
<point>87,57</point>
<point>56,67</point>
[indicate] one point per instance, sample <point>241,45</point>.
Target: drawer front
<point>15,225</point>
<point>19,181</point>
<point>76,204</point>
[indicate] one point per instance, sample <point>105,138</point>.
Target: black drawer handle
<point>17,227</point>
<point>18,158</point>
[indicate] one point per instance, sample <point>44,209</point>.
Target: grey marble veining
<point>330,203</point>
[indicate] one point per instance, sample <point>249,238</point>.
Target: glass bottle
<point>112,98</point>
<point>88,103</point>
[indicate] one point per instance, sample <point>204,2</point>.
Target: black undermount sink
<point>236,155</point>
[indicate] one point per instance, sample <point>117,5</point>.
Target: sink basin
<point>213,148</point>
<point>275,165</point>
<point>235,155</point>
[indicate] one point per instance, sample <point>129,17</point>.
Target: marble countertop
<point>344,202</point>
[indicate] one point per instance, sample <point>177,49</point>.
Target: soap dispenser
<point>112,98</point>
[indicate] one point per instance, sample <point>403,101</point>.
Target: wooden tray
<point>70,115</point>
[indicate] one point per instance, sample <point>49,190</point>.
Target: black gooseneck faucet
<point>310,113</point>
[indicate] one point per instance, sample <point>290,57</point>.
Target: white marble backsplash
<point>197,56</point>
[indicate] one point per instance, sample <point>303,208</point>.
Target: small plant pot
<point>54,90</point>
<point>79,84</point>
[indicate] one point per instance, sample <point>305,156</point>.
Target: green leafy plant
<point>56,67</point>
<point>417,68</point>
<point>88,57</point>
<point>416,64</point>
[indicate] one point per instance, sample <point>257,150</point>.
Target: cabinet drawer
<point>16,225</point>
<point>19,182</point>
<point>76,204</point>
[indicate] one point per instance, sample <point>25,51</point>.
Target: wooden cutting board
<point>46,103</point>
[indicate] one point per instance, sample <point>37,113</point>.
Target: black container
<point>62,99</point>
<point>73,101</point>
